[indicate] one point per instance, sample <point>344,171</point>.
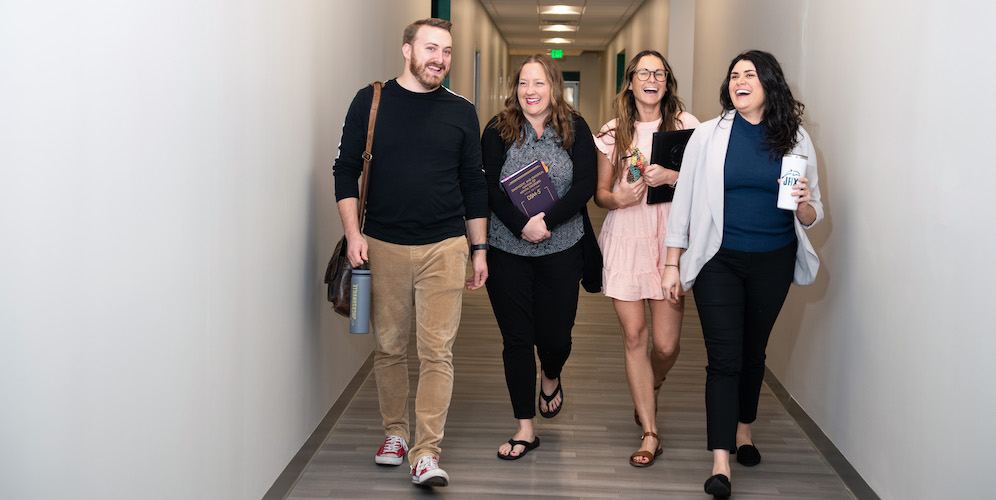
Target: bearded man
<point>425,195</point>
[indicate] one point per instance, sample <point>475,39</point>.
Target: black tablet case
<point>667,151</point>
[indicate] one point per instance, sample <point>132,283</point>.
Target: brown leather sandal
<point>650,457</point>
<point>657,392</point>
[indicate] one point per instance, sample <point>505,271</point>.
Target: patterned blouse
<point>548,149</point>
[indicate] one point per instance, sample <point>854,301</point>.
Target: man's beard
<point>421,73</point>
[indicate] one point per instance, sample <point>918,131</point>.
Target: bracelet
<point>670,265</point>
<point>481,246</point>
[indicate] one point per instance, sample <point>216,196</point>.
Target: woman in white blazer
<point>729,242</point>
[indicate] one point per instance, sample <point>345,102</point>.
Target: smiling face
<point>651,91</point>
<point>534,92</point>
<point>746,91</point>
<point>428,56</point>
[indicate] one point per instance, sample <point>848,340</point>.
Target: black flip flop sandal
<point>548,399</point>
<point>525,445</point>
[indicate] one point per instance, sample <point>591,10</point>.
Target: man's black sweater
<point>426,175</point>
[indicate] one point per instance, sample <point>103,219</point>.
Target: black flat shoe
<point>548,399</point>
<point>718,486</point>
<point>748,455</point>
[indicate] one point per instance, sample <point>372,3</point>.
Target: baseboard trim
<point>282,487</point>
<point>830,454</point>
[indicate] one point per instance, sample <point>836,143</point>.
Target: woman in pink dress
<point>632,236</point>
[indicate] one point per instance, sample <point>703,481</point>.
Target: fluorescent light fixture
<point>560,10</point>
<point>557,40</point>
<point>559,27</point>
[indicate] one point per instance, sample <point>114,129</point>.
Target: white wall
<point>166,213</point>
<point>647,30</point>
<point>474,30</point>
<point>589,105</point>
<point>889,351</point>
<point>724,28</point>
<point>681,46</point>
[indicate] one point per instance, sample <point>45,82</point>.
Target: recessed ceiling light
<point>557,40</point>
<point>566,22</point>
<point>560,10</point>
<point>559,27</point>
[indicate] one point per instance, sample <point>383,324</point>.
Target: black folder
<point>667,151</point>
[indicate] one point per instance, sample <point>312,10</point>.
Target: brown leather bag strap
<point>367,154</point>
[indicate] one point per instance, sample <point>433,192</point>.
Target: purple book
<point>531,189</point>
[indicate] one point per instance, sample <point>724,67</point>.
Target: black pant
<point>535,300</point>
<point>738,296</point>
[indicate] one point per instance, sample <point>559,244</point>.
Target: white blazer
<point>696,219</point>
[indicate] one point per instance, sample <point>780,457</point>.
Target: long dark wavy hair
<point>782,113</point>
<point>626,112</point>
<point>511,121</point>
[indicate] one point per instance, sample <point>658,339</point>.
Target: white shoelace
<point>393,444</point>
<point>433,463</point>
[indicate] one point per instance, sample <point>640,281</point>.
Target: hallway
<point>166,213</point>
<point>584,450</point>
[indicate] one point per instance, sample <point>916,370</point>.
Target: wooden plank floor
<point>585,449</point>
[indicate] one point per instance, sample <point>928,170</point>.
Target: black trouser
<point>535,300</point>
<point>738,296</point>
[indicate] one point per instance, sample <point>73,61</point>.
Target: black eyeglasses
<point>644,75</point>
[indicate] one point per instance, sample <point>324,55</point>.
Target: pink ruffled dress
<point>632,238</point>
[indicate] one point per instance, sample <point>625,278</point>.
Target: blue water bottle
<point>359,301</point>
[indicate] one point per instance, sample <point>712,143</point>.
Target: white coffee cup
<point>792,168</point>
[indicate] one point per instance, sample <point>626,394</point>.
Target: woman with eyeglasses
<point>632,236</point>
<point>729,242</point>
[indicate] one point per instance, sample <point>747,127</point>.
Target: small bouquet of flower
<point>637,164</point>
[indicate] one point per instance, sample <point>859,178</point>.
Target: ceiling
<point>596,23</point>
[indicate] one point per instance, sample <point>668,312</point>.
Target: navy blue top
<point>751,221</point>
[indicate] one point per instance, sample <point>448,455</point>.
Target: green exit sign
<point>557,53</point>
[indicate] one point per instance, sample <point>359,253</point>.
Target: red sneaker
<point>427,473</point>
<point>392,452</point>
